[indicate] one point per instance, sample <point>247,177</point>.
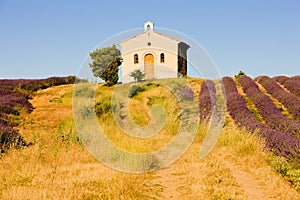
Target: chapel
<point>157,55</point>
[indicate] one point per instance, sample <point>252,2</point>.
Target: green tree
<point>241,73</point>
<point>105,65</point>
<point>137,74</point>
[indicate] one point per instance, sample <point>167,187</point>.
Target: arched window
<point>135,59</point>
<point>162,57</point>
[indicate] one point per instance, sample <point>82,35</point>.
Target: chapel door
<point>149,66</point>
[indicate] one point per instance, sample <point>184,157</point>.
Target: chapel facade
<point>156,54</point>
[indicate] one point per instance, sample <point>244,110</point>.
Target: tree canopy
<point>105,65</point>
<point>241,73</point>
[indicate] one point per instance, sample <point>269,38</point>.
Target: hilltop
<point>57,165</point>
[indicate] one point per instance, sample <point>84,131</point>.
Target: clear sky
<point>42,38</point>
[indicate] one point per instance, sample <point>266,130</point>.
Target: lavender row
<point>9,137</point>
<point>267,109</point>
<point>292,85</point>
<point>291,102</point>
<point>280,143</point>
<point>207,100</point>
<point>296,78</point>
<point>11,100</point>
<point>9,103</point>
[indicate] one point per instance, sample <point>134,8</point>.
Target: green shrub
<point>134,90</point>
<point>67,133</point>
<point>87,112</point>
<point>84,91</point>
<point>241,73</point>
<point>290,171</point>
<point>102,107</point>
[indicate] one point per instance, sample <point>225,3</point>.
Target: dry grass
<point>139,113</point>
<point>54,168</point>
<point>57,166</point>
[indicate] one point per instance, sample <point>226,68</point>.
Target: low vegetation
<point>58,166</point>
<point>14,99</point>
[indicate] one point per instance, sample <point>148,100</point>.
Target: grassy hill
<point>58,166</point>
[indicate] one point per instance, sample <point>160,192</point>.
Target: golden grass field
<point>58,166</point>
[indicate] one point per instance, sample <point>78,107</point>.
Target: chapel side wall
<point>182,59</point>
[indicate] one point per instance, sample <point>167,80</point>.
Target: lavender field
<point>263,150</point>
<point>14,98</point>
<point>280,132</point>
<point>282,140</point>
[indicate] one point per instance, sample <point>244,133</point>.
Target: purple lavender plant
<point>186,93</point>
<point>291,102</point>
<point>14,96</point>
<point>292,85</point>
<point>267,109</point>
<point>207,100</point>
<point>280,143</point>
<point>296,78</point>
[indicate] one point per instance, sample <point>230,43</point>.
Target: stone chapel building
<point>156,54</point>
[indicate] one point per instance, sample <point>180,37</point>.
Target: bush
<point>293,176</point>
<point>102,107</point>
<point>10,137</point>
<point>241,73</point>
<point>84,91</point>
<point>289,171</point>
<point>8,110</point>
<point>134,90</point>
<point>186,94</point>
<point>32,86</point>
<point>67,133</point>
<point>86,112</point>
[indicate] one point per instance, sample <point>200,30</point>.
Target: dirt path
<point>246,182</point>
<point>169,181</point>
<point>215,177</point>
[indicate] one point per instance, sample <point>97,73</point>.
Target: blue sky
<point>40,38</point>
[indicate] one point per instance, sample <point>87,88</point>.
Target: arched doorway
<point>149,66</point>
